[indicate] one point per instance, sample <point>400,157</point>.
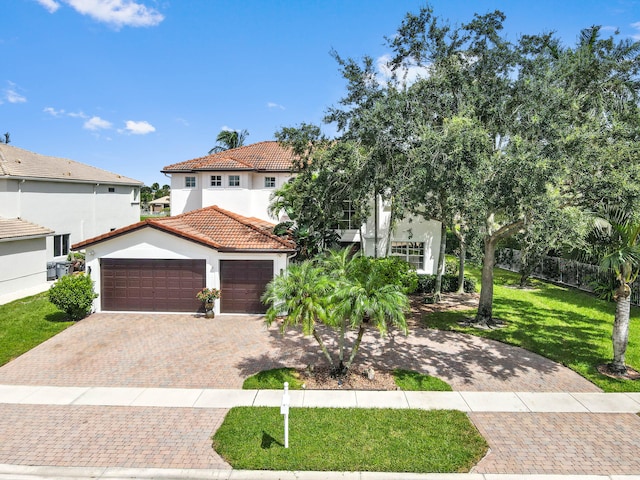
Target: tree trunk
<point>322,347</point>
<point>437,294</point>
<point>461,259</point>
<point>485,307</point>
<point>356,346</point>
<point>620,335</point>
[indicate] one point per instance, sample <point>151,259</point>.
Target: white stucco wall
<point>23,267</point>
<point>250,199</point>
<point>82,210</point>
<point>149,243</point>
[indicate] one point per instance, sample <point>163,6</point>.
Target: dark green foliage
<point>426,284</point>
<point>389,271</point>
<point>74,295</point>
<point>350,439</point>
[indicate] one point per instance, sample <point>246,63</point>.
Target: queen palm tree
<point>299,297</point>
<point>617,233</point>
<point>228,139</point>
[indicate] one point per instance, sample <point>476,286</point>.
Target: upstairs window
<point>234,180</point>
<point>269,182</point>
<point>348,220</point>
<point>412,252</point>
<point>190,182</point>
<point>216,180</point>
<point>60,245</point>
<point>111,189</point>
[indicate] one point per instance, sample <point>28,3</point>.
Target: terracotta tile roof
<point>262,156</point>
<point>16,229</point>
<point>212,226</point>
<point>16,162</point>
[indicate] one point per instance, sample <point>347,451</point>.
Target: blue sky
<point>133,85</point>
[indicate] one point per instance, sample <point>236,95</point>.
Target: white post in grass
<point>284,410</point>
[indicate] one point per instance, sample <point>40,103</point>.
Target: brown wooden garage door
<point>242,284</point>
<point>151,285</point>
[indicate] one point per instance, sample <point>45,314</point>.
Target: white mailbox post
<point>284,410</point>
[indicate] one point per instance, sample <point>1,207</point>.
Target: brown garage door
<point>243,283</point>
<point>151,285</point>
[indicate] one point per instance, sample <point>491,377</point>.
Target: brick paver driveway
<point>185,351</point>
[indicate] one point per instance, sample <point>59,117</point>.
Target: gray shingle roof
<point>16,228</point>
<point>16,162</point>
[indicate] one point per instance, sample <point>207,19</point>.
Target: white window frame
<point>348,213</point>
<point>411,252</point>
<point>233,178</point>
<point>190,182</point>
<point>269,182</point>
<point>215,181</point>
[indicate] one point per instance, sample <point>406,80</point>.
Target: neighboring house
<point>158,265</point>
<point>159,205</point>
<point>22,256</point>
<point>70,200</point>
<point>242,180</point>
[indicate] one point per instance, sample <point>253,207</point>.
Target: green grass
<point>273,380</point>
<point>562,324</point>
<point>409,380</point>
<point>335,439</point>
<point>26,323</point>
<point>405,379</point>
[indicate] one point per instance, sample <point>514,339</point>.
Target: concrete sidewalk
<point>540,402</point>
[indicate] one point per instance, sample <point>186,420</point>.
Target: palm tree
<point>299,296</point>
<point>361,299</point>
<point>228,139</point>
<point>617,232</point>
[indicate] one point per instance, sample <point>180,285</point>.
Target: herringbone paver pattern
<point>560,443</point>
<point>94,436</point>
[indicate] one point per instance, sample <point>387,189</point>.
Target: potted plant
<point>208,296</point>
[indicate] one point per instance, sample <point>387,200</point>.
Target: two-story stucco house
<point>49,203</point>
<point>241,180</point>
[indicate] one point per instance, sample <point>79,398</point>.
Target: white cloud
<point>118,13</point>
<point>636,26</point>
<point>407,74</point>
<point>11,94</point>
<point>275,105</point>
<point>139,128</point>
<point>96,123</point>
<point>63,113</point>
<point>50,5</point>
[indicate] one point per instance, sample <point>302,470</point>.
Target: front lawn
<point>26,323</point>
<point>560,323</point>
<point>337,439</point>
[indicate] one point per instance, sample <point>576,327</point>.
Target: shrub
<point>390,270</point>
<point>73,294</point>
<point>427,283</point>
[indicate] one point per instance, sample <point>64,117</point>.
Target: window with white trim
<point>348,220</point>
<point>269,182</point>
<point>234,180</point>
<point>60,245</point>
<point>216,180</point>
<point>190,182</point>
<point>412,252</point>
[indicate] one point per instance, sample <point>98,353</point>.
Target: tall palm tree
<point>618,234</point>
<point>299,297</point>
<point>228,139</point>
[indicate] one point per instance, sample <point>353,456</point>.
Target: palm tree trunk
<point>322,346</point>
<point>356,346</point>
<point>620,335</point>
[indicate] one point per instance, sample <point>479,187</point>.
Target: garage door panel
<point>151,284</point>
<point>242,284</point>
